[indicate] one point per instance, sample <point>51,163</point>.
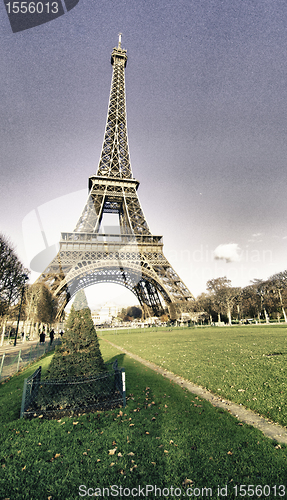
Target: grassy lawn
<point>165,437</point>
<point>246,364</point>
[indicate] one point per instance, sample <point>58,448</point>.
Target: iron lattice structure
<point>131,256</point>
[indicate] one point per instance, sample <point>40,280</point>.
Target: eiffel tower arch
<point>131,256</point>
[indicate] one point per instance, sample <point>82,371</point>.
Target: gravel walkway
<point>269,428</point>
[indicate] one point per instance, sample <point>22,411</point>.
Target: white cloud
<point>228,252</point>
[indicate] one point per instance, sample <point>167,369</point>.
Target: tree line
<point>38,305</point>
<point>262,300</point>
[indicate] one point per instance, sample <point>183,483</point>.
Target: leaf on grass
<point>132,425</point>
<point>113,451</point>
<point>229,453</point>
<point>85,453</point>
<point>171,441</point>
<point>278,447</point>
<point>114,443</point>
<point>98,460</point>
<point>59,420</point>
<point>75,423</point>
<point>131,454</point>
<point>187,481</point>
<point>153,463</point>
<point>128,439</point>
<point>165,451</point>
<point>165,406</point>
<point>147,432</point>
<point>111,464</point>
<point>39,444</point>
<point>121,471</point>
<point>57,455</point>
<point>41,416</point>
<point>119,454</point>
<point>120,414</point>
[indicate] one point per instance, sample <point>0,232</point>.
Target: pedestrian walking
<point>52,334</point>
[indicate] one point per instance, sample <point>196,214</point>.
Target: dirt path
<point>269,428</point>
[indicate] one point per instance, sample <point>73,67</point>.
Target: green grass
<point>246,364</point>
<point>164,436</point>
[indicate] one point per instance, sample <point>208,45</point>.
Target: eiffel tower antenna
<point>131,255</point>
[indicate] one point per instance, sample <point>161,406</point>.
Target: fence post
<point>23,398</point>
<point>19,359</point>
<point>2,363</point>
<point>124,386</point>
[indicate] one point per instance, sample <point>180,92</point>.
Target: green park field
<point>165,436</point>
<point>246,364</point>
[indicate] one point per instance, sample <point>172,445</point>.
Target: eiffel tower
<point>131,256</point>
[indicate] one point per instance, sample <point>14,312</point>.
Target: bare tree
<point>12,279</point>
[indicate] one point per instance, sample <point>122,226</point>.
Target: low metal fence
<point>11,363</point>
<point>54,398</point>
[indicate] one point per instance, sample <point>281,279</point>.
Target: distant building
<point>105,313</point>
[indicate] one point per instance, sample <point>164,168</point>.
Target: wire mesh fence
<point>11,363</point>
<point>54,398</point>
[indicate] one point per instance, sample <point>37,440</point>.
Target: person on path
<point>51,336</point>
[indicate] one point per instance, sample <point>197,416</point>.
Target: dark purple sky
<point>207,110</point>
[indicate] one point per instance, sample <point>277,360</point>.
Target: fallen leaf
<point>165,451</point>
<point>187,481</point>
<point>113,451</point>
<point>57,455</point>
<point>165,406</point>
<point>39,444</point>
<point>132,425</point>
<point>113,463</point>
<point>147,432</point>
<point>98,460</point>
<point>41,416</point>
<point>153,463</point>
<point>119,454</point>
<point>114,443</point>
<point>85,453</point>
<point>229,453</point>
<point>153,418</point>
<point>75,423</point>
<point>171,441</point>
<point>131,454</point>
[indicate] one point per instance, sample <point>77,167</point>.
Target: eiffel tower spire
<point>132,256</point>
<point>107,197</point>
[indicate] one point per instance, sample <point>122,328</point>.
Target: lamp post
<point>25,278</point>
